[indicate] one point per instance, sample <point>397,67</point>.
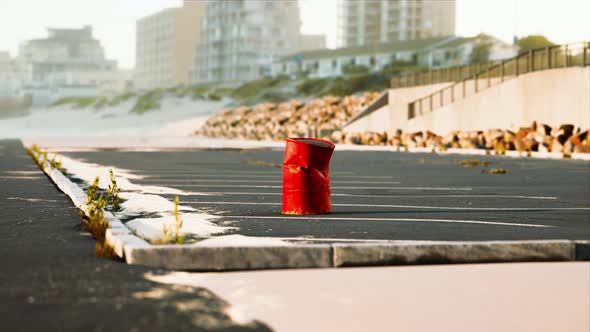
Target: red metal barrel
<point>306,176</point>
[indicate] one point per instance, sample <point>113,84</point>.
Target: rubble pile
<point>325,117</point>
<point>271,121</point>
<point>538,137</point>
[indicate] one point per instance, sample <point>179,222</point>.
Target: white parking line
<point>337,187</point>
<point>410,206</point>
<point>259,181</point>
<point>268,170</point>
<point>252,193</point>
<point>269,176</point>
<point>20,177</point>
<point>395,219</point>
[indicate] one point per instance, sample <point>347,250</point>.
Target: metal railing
<point>559,56</point>
<point>442,75</point>
<point>381,101</point>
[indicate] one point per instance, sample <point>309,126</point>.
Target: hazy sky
<point>114,20</point>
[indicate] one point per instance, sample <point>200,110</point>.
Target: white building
<point>241,38</point>
<point>382,21</point>
<point>69,62</point>
<point>9,79</point>
<point>458,51</point>
<point>432,52</point>
<point>165,46</point>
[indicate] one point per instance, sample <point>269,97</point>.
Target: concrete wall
<point>553,97</point>
<point>395,114</point>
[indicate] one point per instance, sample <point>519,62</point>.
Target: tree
<point>533,41</point>
<point>480,53</point>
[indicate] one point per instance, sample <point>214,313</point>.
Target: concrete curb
<point>135,250</point>
<point>343,255</point>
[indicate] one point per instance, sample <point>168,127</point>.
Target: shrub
<point>355,84</point>
<point>354,69</point>
<point>148,101</point>
<point>122,98</point>
<point>214,97</point>
<point>253,88</point>
<point>312,87</point>
<point>77,102</point>
<point>63,101</point>
<point>83,102</point>
<point>101,102</point>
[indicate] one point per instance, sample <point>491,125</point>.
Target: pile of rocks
<point>271,121</point>
<point>325,117</point>
<point>538,137</point>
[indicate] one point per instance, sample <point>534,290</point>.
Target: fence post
<point>489,77</point>
<point>585,56</point>
<point>516,66</point>
<point>441,98</point>
<point>463,88</point>
<point>548,50</point>
<point>532,62</point>
<point>421,99</point>
<point>565,64</point>
<point>453,93</point>
<point>476,85</point>
<point>502,71</point>
<point>430,103</point>
<point>528,62</point>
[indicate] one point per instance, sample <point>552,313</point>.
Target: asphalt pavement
<point>51,281</point>
<point>378,195</point>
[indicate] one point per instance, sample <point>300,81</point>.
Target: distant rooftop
<point>398,46</point>
<point>408,45</point>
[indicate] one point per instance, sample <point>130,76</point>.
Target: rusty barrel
<point>306,176</point>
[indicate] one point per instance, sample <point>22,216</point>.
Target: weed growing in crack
<point>95,222</point>
<point>171,235</point>
<point>178,223</point>
<point>54,162</point>
<point>93,217</point>
<point>103,249</point>
<point>92,192</point>
<point>39,156</point>
<point>113,191</point>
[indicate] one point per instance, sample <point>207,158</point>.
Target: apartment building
<point>381,21</point>
<point>241,38</point>
<point>311,42</point>
<point>8,75</point>
<point>59,65</point>
<point>165,45</point>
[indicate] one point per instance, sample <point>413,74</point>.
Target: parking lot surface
<point>377,195</point>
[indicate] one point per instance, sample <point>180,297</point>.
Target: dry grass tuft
<point>469,162</point>
<point>495,171</point>
<point>261,163</point>
<point>105,250</point>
